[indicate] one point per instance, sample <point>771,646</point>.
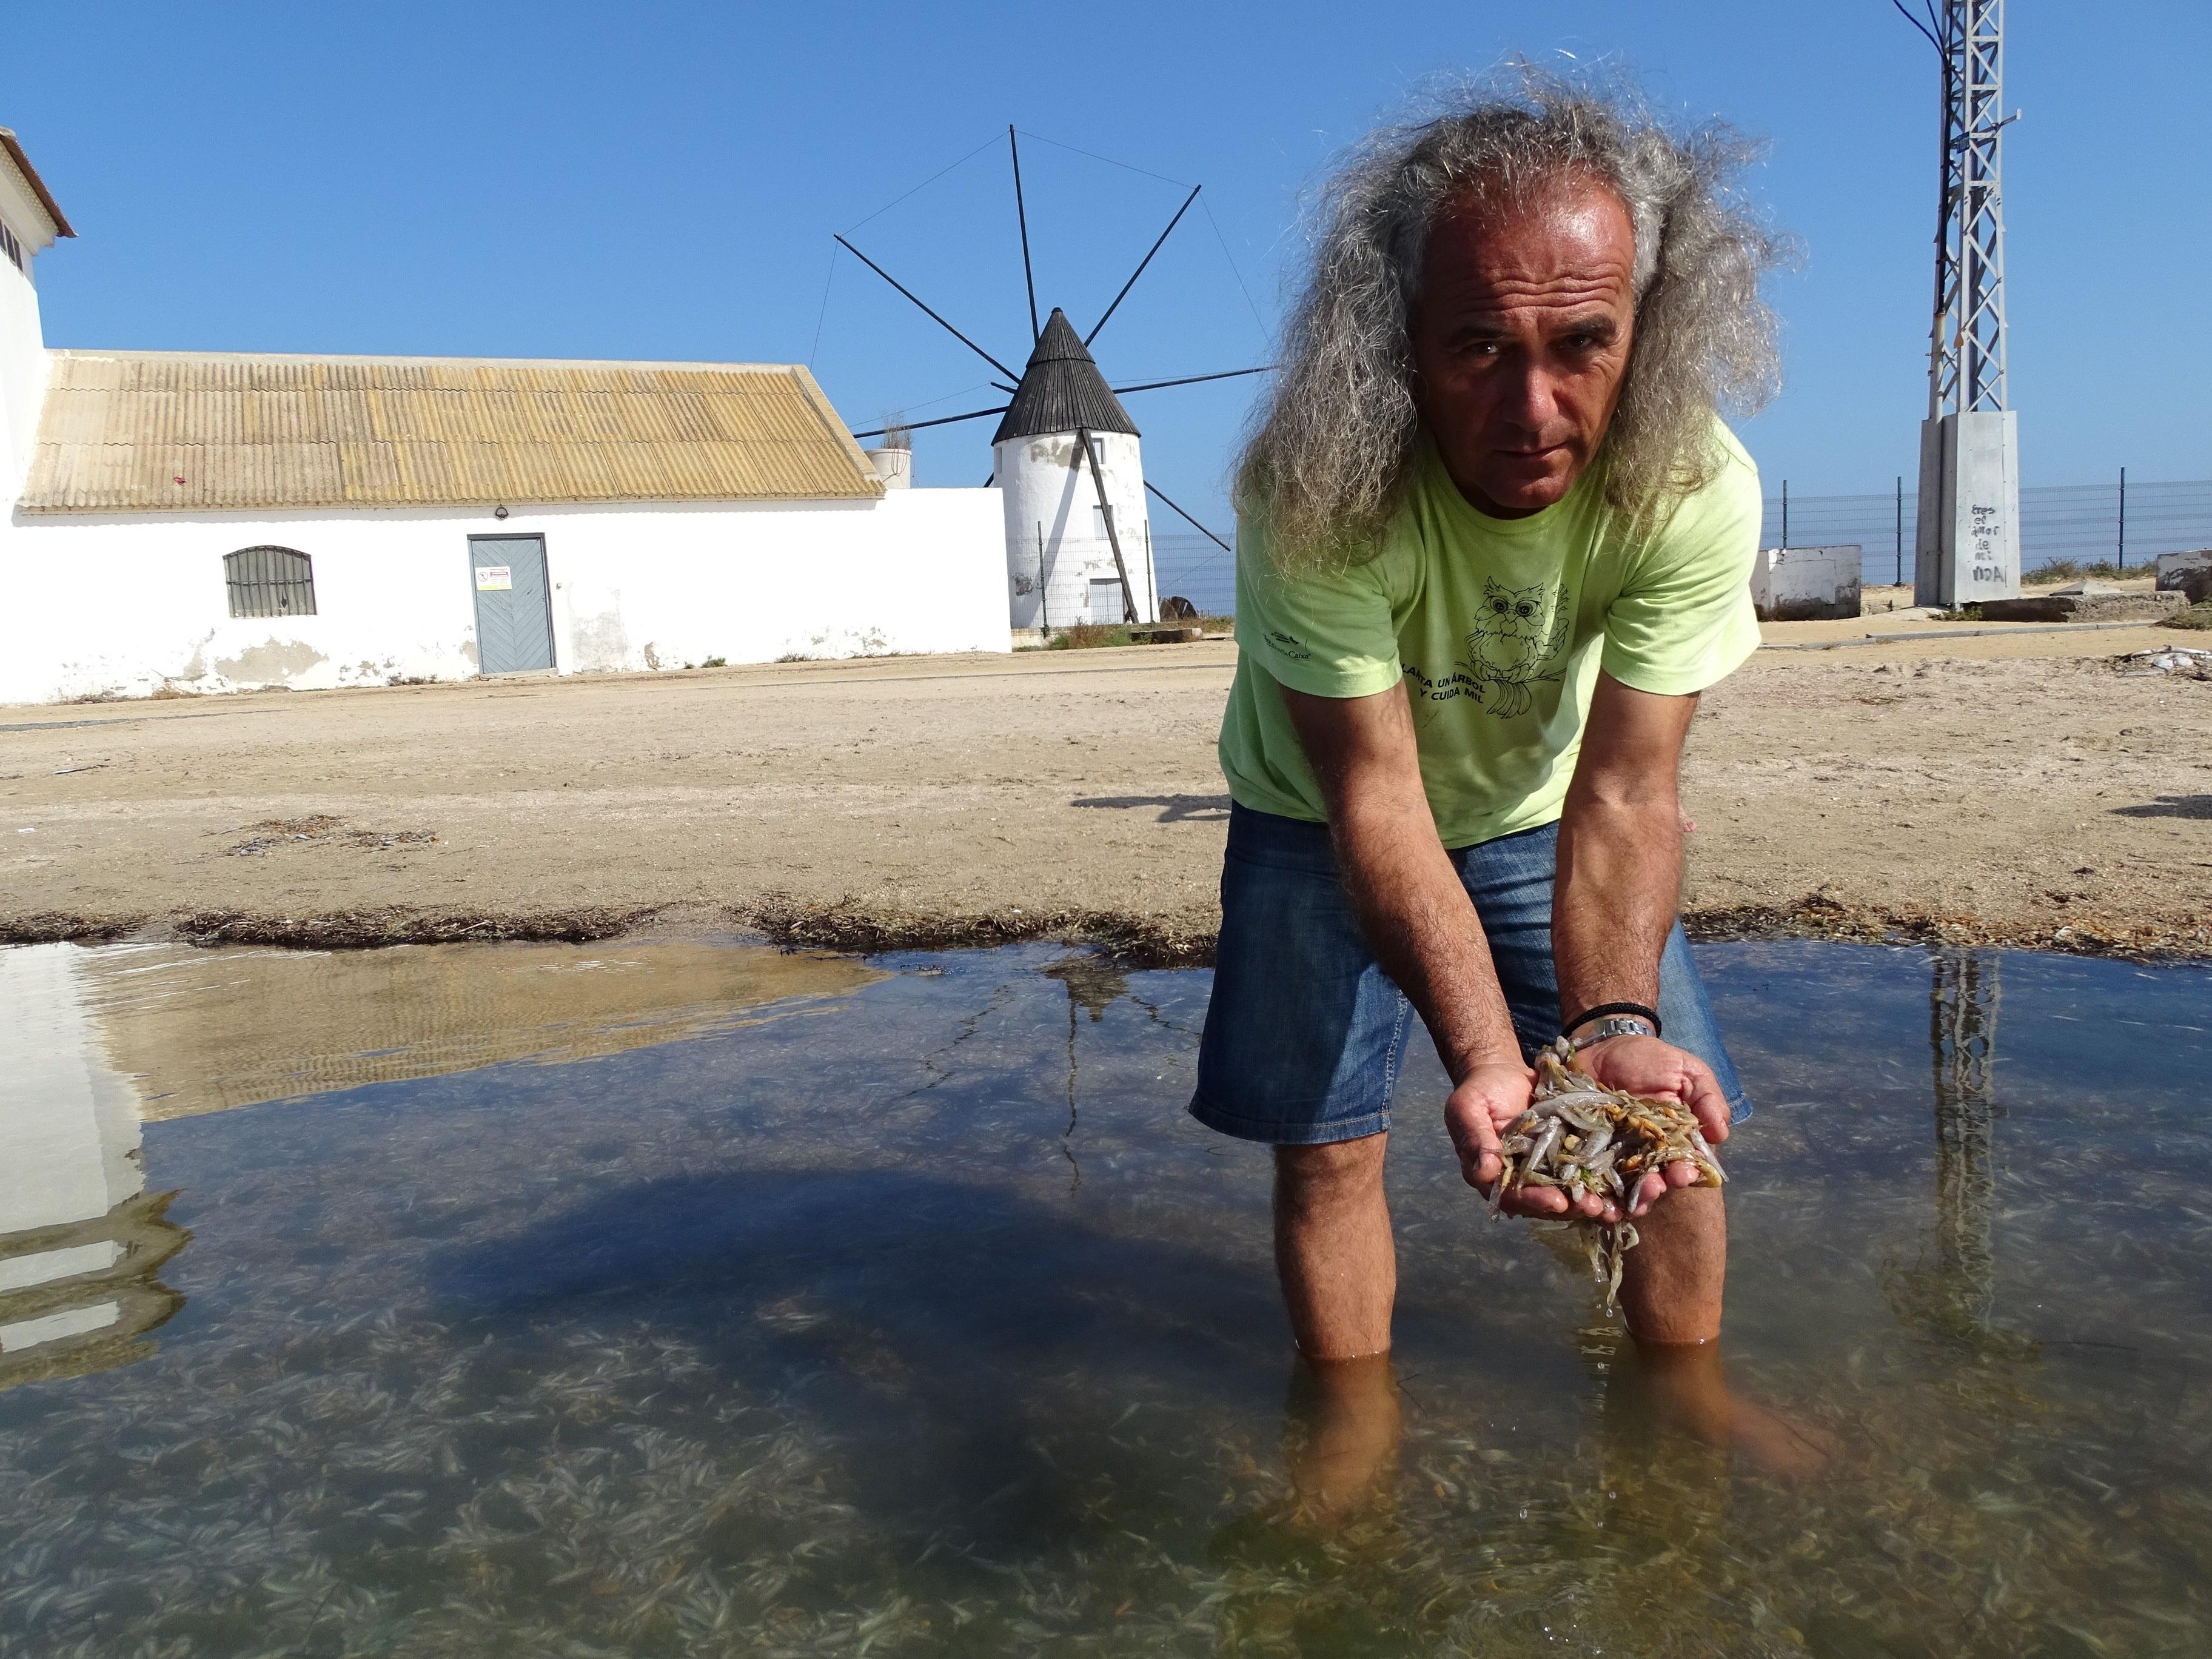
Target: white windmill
<point>1066,456</point>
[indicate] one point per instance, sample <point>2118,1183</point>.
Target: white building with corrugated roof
<point>216,521</point>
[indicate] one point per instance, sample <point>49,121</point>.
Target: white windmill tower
<point>1067,458</point>
<point>1079,540</point>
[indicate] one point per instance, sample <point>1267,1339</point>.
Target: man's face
<point>1520,341</point>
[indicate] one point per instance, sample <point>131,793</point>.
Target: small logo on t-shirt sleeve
<point>1286,645</point>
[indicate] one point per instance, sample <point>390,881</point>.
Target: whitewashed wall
<point>1045,487</point>
<point>1799,584</point>
<point>128,604</point>
<point>23,359</point>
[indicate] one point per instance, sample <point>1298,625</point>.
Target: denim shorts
<point>1305,1035</point>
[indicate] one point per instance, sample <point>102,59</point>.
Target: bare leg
<point>1671,1283</point>
<point>1342,1435</point>
<point>1670,1290</point>
<point>1333,1247</point>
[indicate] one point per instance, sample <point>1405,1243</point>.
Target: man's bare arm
<point>1620,849</point>
<point>1417,918</point>
<point>1617,887</point>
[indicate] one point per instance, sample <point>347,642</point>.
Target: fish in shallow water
<point>1581,1137</point>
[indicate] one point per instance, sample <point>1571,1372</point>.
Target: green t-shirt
<point>1500,627</point>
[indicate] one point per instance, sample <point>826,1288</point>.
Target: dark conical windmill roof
<point>1061,390</point>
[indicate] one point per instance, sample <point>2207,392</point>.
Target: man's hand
<point>1488,1097</point>
<point>1645,1065</point>
<point>1480,1110</point>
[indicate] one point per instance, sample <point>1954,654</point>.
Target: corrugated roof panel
<point>551,418</point>
<point>91,374</point>
<point>77,417</point>
<point>645,418</point>
<point>683,410</point>
<point>779,420</point>
<point>341,418</point>
<point>118,428</point>
<point>422,472</point>
<point>608,468</point>
<point>368,474</point>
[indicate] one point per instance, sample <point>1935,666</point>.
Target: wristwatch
<point>1614,1025</point>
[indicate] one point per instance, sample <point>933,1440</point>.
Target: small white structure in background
<point>210,522</point>
<point>1078,539</point>
<point>893,461</point>
<point>2187,573</point>
<point>1800,584</point>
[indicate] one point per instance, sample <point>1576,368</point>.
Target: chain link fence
<point>2082,523</point>
<point>1193,568</point>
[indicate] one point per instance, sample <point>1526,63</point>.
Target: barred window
<point>270,581</point>
<point>12,248</point>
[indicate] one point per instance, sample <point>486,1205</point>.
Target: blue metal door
<point>514,604</point>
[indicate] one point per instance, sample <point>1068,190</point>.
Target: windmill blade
<point>1192,380</point>
<point>926,312</point>
<point>1192,522</point>
<point>1022,213</point>
<point>1142,263</point>
<point>942,420</point>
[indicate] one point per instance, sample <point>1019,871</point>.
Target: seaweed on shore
<point>1175,940</point>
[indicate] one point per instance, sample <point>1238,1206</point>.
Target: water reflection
<point>203,1030</point>
<point>1954,1296</point>
<point>80,1238</point>
<point>1094,982</point>
<point>797,1337</point>
<point>94,1044</point>
<point>1962,1038</point>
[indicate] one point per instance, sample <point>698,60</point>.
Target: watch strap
<point>1638,1009</point>
<point>1612,1025</point>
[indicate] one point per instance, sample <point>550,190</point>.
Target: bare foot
<point>1687,1385</point>
<point>1341,1433</point>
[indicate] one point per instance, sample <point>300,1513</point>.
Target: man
<point>1494,541</point>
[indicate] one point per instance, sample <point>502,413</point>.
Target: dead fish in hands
<point>1581,1137</point>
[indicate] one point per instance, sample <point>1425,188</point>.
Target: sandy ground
<point>2006,785</point>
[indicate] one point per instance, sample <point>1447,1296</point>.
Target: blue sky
<point>661,180</point>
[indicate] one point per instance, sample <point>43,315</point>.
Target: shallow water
<point>792,1306</point>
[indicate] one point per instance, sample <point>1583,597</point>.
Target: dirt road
<point>2007,788</point>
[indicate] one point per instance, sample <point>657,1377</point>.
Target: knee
<point>1322,1178</point>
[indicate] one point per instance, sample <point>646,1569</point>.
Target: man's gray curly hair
<point>1334,446</point>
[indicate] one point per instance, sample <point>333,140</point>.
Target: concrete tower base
<point>1967,547</point>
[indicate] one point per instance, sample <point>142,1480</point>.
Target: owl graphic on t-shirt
<point>1518,631</point>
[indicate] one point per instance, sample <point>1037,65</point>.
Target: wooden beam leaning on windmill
<point>1494,541</point>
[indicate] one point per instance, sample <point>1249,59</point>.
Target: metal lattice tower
<point>1966,344</point>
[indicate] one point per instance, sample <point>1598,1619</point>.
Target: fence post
<point>2123,518</point>
<point>1785,515</point>
<point>1901,529</point>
